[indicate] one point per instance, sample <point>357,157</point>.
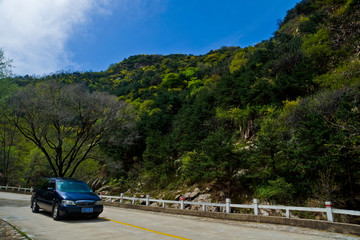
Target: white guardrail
<point>19,189</point>
<point>329,210</point>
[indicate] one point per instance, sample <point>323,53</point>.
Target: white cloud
<point>34,33</point>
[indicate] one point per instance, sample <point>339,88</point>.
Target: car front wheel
<point>34,206</point>
<point>56,212</point>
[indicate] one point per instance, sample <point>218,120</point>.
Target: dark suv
<point>65,197</point>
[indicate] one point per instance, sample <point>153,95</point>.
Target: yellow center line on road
<point>145,229</point>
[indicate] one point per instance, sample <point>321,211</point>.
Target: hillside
<point>278,120</point>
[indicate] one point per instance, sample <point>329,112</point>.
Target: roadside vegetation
<point>279,120</point>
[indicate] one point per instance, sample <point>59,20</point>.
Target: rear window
<point>73,186</point>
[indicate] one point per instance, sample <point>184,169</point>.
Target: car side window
<point>51,185</point>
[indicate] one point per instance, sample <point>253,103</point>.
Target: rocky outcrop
<point>198,195</point>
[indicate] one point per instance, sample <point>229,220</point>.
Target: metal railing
<point>228,206</point>
<point>19,188</point>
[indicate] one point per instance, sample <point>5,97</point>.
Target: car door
<point>41,192</point>
<point>49,195</point>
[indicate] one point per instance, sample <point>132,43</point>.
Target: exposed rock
<point>203,198</point>
<point>105,190</point>
<point>155,204</point>
<point>160,196</point>
<point>187,196</point>
<point>104,182</point>
<point>264,212</point>
<point>177,197</point>
<point>195,193</point>
<point>94,184</point>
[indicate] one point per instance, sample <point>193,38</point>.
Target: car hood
<point>79,196</point>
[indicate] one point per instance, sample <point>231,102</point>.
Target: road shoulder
<point>7,231</point>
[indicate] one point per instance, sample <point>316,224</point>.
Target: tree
<point>66,122</point>
<point>7,132</point>
<point>172,80</point>
<point>5,65</point>
<point>325,144</point>
<point>270,144</point>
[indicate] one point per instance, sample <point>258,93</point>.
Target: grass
<point>21,232</point>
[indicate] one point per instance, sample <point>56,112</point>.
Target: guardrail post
<point>133,200</point>
<point>182,203</point>
<point>31,189</point>
<point>148,200</point>
<point>7,186</point>
<point>329,213</point>
<point>19,188</point>
<point>204,208</point>
<point>256,206</point>
<point>121,198</point>
<point>227,205</point>
<point>287,212</point>
<point>163,204</point>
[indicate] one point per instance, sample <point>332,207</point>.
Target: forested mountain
<point>279,120</point>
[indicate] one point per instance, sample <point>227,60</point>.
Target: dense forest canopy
<point>279,120</point>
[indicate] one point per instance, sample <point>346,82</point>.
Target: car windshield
<point>73,186</point>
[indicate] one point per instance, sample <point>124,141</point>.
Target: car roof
<point>64,179</point>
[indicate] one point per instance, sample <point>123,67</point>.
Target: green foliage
<point>239,61</point>
<point>172,80</point>
<point>345,75</point>
<point>243,119</point>
<point>276,190</point>
<point>191,72</point>
<point>317,47</point>
<point>269,148</point>
<point>195,84</point>
<point>29,165</point>
<point>194,122</point>
<point>214,159</point>
<point>66,122</point>
<point>194,167</point>
<point>9,139</point>
<point>324,138</point>
<point>253,120</point>
<point>87,170</point>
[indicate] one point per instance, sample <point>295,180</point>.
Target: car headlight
<point>98,202</point>
<point>68,202</point>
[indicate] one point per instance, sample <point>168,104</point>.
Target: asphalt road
<point>119,223</point>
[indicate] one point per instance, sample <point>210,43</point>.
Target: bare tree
<point>5,65</point>
<point>66,122</point>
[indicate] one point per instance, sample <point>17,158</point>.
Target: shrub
<point>277,190</point>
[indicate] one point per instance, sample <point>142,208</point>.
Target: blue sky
<point>89,35</point>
